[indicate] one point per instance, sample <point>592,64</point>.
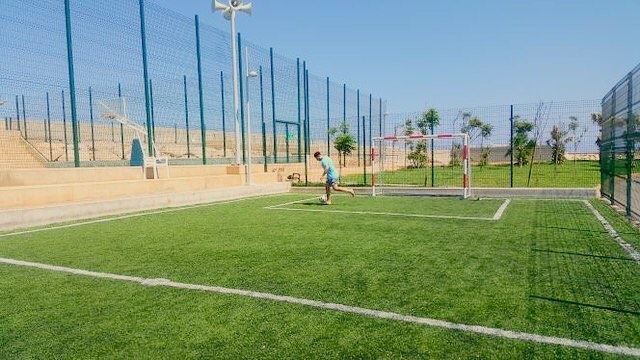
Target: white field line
<point>498,215</point>
<point>477,329</point>
<point>138,214</point>
<point>385,214</point>
<point>290,203</point>
<point>284,208</point>
<point>635,255</point>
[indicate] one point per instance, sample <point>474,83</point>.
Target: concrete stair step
<point>43,195</point>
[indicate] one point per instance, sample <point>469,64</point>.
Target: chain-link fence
<point>619,145</point>
<point>544,144</point>
<point>171,75</point>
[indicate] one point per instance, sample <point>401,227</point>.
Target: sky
<point>415,53</point>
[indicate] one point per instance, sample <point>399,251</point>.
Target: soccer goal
<point>116,110</point>
<point>421,164</point>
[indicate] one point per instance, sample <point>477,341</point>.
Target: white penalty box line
<point>284,207</point>
<point>341,308</point>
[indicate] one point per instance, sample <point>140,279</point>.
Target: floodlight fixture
<point>229,12</point>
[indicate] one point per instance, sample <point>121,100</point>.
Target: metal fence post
<point>18,115</point>
<point>368,153</point>
<point>364,141</point>
<point>262,124</point>
<point>380,117</point>
<point>153,113</point>
<point>93,141</point>
<point>186,115</point>
<point>241,84</point>
<point>72,87</point>
<point>511,148</point>
<point>24,119</point>
<point>328,119</point>
<point>358,123</point>
<point>203,130</point>
<point>273,107</point>
<point>306,120</point>
<point>64,128</point>
<point>49,127</point>
<point>612,163</point>
<point>145,70</point>
<point>121,126</point>
<point>224,120</point>
<point>433,160</point>
<point>299,115</point>
<point>630,142</point>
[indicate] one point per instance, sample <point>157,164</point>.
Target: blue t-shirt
<point>327,165</point>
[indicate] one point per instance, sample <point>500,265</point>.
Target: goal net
<point>422,165</point>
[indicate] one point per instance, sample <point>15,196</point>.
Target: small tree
<point>476,128</point>
<point>522,144</point>
<point>577,134</point>
<point>428,121</point>
<point>558,143</point>
<point>344,142</point>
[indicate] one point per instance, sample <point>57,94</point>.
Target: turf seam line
<point>379,314</point>
<point>501,209</point>
<point>628,248</point>
<point>137,214</point>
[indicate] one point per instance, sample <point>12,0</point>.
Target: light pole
<point>251,74</point>
<point>229,12</point>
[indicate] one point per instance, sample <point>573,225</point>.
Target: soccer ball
<point>323,198</point>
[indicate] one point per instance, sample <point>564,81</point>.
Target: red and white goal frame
<point>382,144</point>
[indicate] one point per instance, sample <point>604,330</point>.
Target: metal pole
<point>121,126</point>
<point>511,147</point>
<point>286,140</point>
<point>224,125</point>
<point>370,127</point>
<point>248,126</point>
<point>24,119</point>
<point>433,169</point>
<point>328,120</point>
<point>153,114</point>
<point>64,127</point>
<point>242,122</point>
<point>299,115</point>
<point>49,126</point>
<point>145,69</point>
<point>236,91</point>
<point>364,141</point>
<point>264,126</point>
<point>630,142</point>
<point>380,117</point>
<point>186,115</point>
<point>203,130</point>
<point>18,114</point>
<point>273,107</point>
<point>344,118</point>
<point>93,141</point>
<point>358,123</point>
<point>306,119</point>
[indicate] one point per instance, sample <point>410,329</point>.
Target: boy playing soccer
<point>332,177</point>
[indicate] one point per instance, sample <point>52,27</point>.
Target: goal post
<point>435,164</point>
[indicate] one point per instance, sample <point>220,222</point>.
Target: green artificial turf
<point>547,267</point>
<point>578,174</point>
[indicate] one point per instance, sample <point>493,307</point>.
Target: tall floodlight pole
<point>229,12</point>
<point>250,74</point>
